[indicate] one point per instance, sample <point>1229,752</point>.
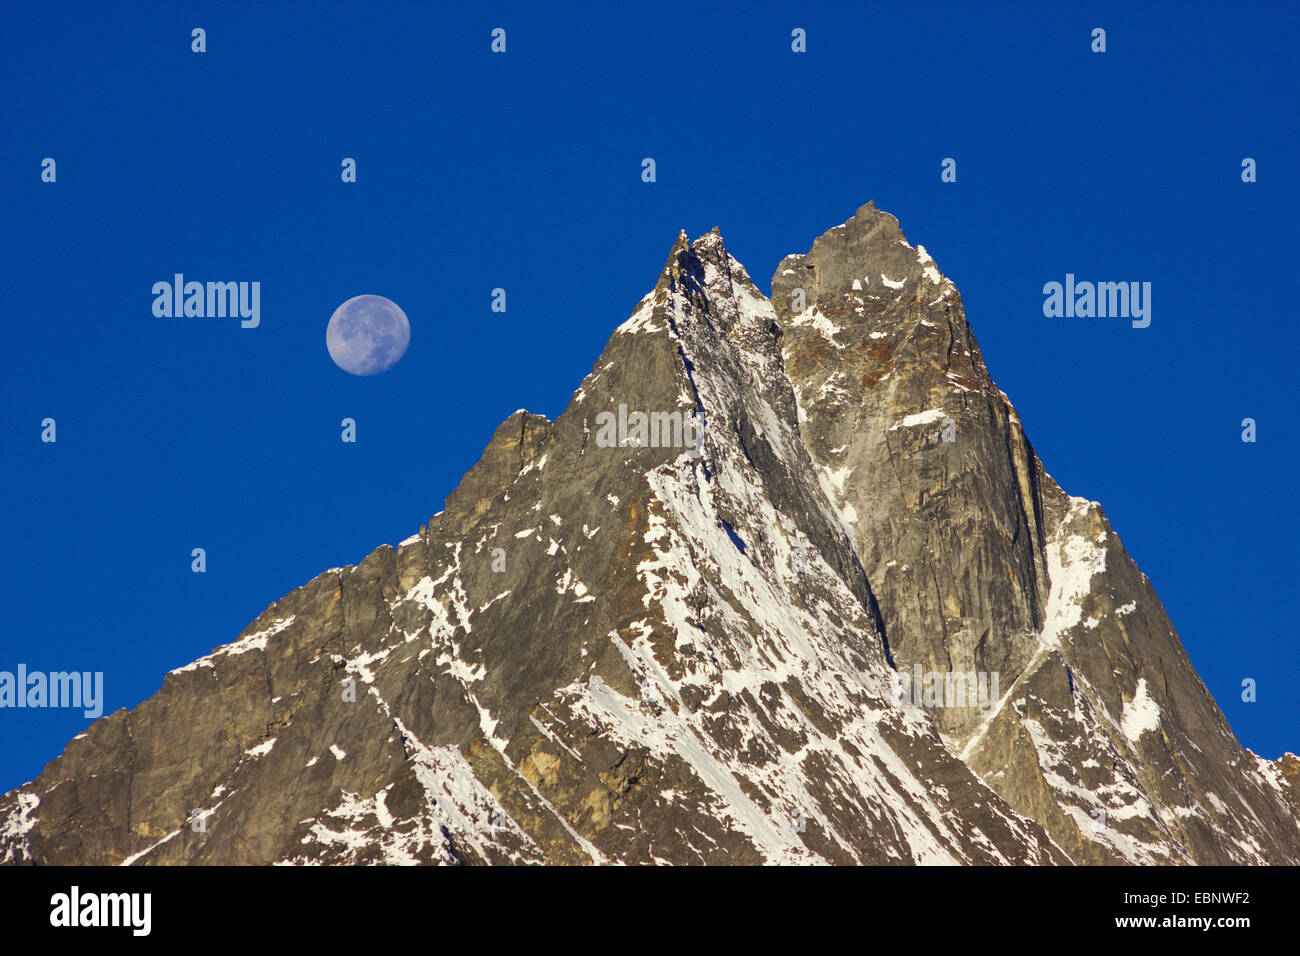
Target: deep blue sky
<point>523,171</point>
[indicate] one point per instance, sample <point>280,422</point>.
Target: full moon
<point>367,335</point>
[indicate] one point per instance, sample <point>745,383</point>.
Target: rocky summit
<point>785,583</point>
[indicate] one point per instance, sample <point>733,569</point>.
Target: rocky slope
<point>653,650</point>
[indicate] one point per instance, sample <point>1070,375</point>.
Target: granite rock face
<point>621,642</point>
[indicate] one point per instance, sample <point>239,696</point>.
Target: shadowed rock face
<point>652,652</point>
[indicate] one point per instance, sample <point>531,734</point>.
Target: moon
<point>367,335</point>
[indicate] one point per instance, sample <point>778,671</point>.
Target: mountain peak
<point>785,582</point>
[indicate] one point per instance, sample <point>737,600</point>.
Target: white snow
<point>262,749</point>
<point>1071,562</point>
<point>956,381</point>
<point>253,642</point>
<point>15,827</point>
<point>920,418</point>
<point>641,320</point>
<point>1141,714</point>
<point>815,319</point>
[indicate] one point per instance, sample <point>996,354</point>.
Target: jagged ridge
<point>644,654</point>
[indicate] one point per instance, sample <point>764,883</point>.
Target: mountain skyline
<point>695,650</point>
<point>477,171</point>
